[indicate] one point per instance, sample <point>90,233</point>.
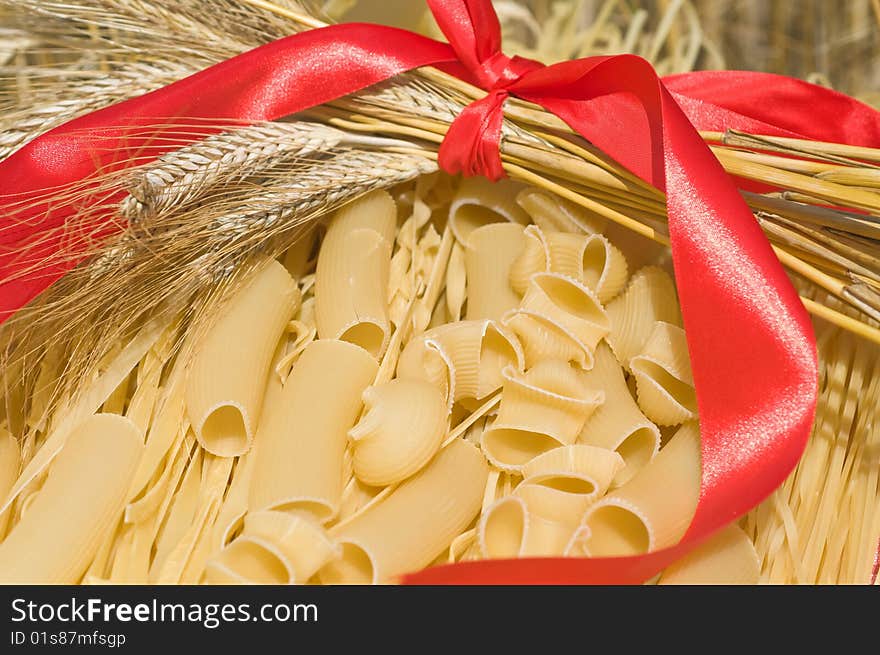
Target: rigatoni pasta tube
<point>489,253</point>
<point>636,518</point>
<point>224,388</point>
<point>83,495</point>
<point>302,439</point>
<point>351,281</point>
<point>415,523</point>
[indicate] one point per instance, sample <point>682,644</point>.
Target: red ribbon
<point>751,344</point>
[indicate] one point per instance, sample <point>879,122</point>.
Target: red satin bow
<point>752,350</point>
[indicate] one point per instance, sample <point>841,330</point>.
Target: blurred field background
<point>827,42</point>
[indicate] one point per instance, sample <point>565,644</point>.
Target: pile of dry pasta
<point>453,370</point>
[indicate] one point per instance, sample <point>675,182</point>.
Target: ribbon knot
<point>472,143</point>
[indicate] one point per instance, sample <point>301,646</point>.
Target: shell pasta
<point>299,460</point>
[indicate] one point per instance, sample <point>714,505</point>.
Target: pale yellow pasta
<point>474,354</point>
<point>404,423</point>
<point>275,548</point>
<point>78,505</point>
<point>235,503</point>
<point>415,523</point>
<point>302,440</point>
<point>213,478</point>
<point>304,543</point>
<point>561,484</point>
<point>554,214</point>
<point>540,409</point>
<point>460,546</point>
<point>599,465</point>
<point>602,267</point>
<point>422,360</point>
<point>618,424</point>
<point>456,282</point>
<point>230,367</point>
<point>181,515</point>
<point>542,339</point>
<point>351,281</point>
<point>10,462</point>
<point>478,202</point>
<point>589,259</point>
<point>728,557</point>
<point>649,297</point>
<point>355,496</point>
<point>568,303</point>
<point>509,528</point>
<point>90,399</point>
<point>664,382</point>
<point>534,257</point>
<point>298,257</point>
<point>489,253</point>
<point>654,509</point>
<point>248,560</point>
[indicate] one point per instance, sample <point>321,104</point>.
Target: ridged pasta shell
<point>475,353</point>
<point>562,499</point>
<point>663,377</point>
<point>420,360</point>
<point>599,465</point>
<point>634,518</point>
<point>508,529</point>
<point>302,542</point>
<point>401,430</point>
<point>479,202</point>
<point>618,424</point>
<point>550,397</point>
<point>534,258</point>
<point>569,303</point>
<point>249,560</point>
<point>510,447</point>
<point>542,339</point>
<point>649,297</point>
<point>602,266</point>
<point>554,214</point>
